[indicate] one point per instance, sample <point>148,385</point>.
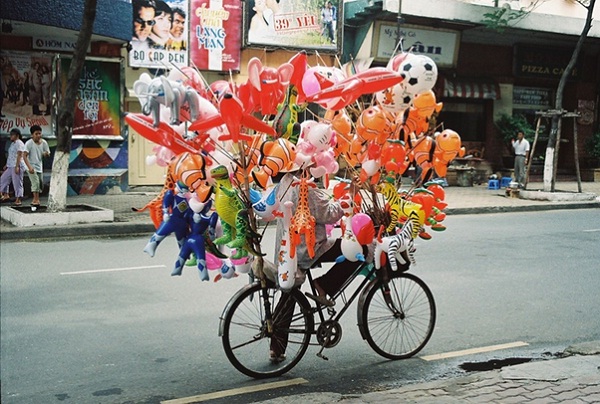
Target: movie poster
<point>298,24</point>
<point>160,34</point>
<point>98,104</point>
<point>27,92</point>
<point>215,34</point>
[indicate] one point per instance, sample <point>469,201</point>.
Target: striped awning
<point>464,88</point>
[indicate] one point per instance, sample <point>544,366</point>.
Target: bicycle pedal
<point>320,355</point>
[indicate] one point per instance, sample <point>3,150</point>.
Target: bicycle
<point>396,316</point>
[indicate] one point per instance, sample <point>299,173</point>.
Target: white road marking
<point>235,392</point>
<point>95,271</point>
<point>592,230</point>
<point>474,351</point>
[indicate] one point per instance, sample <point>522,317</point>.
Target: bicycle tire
<point>244,335</point>
<point>395,336</point>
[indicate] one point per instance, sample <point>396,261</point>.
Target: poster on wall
<point>160,34</point>
<point>215,34</point>
<point>26,92</point>
<point>98,104</point>
<point>297,24</point>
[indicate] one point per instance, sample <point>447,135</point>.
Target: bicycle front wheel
<point>249,344</point>
<point>399,325</point>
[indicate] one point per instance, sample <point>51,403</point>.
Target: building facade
<point>482,73</point>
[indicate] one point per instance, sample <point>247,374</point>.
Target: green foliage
<point>502,17</point>
<point>508,126</point>
<point>593,145</point>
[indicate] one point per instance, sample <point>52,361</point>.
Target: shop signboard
<point>27,85</point>
<point>98,103</point>
<point>441,45</point>
<point>531,97</point>
<point>215,34</point>
<point>547,63</point>
<point>294,24</point>
<point>160,34</point>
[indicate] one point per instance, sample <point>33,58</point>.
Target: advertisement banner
<point>215,34</point>
<point>441,45</point>
<point>98,105</point>
<point>297,24</point>
<point>160,34</point>
<point>26,92</point>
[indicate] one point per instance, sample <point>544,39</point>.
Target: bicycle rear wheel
<point>246,339</point>
<point>401,326</point>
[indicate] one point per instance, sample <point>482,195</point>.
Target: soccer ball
<point>419,73</point>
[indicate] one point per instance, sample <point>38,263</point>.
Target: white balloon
<point>419,73</point>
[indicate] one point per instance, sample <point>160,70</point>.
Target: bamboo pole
<point>576,152</point>
<point>556,150</point>
<point>537,131</point>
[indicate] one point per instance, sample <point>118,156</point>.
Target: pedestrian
<point>14,169</point>
<point>327,21</point>
<point>521,147</point>
<point>326,211</point>
<point>36,149</point>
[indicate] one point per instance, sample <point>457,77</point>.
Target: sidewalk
<point>461,200</point>
<point>573,379</point>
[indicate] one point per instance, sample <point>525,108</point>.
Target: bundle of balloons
<point>224,143</point>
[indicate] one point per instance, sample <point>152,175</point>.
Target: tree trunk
<point>57,198</point>
<point>549,162</point>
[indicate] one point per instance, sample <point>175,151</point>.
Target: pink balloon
<point>310,84</point>
<point>213,262</point>
<point>359,221</point>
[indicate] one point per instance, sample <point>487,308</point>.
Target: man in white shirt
<point>521,147</point>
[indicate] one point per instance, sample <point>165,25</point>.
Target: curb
<point>111,229</point>
<point>524,208</point>
<point>133,229</point>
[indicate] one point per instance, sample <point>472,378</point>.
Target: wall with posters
<point>36,81</point>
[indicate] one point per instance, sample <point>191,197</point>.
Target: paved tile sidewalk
<point>572,379</point>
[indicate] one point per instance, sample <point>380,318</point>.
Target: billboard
<point>27,91</point>
<point>98,104</point>
<point>160,33</point>
<point>215,34</point>
<point>296,24</point>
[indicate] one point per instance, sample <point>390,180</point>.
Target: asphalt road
<point>98,321</point>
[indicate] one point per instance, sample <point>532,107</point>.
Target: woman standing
<point>14,169</point>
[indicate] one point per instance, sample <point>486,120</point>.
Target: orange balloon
<point>342,144</point>
<point>422,149</point>
<point>425,200</point>
<point>372,122</point>
<point>341,122</point>
<point>394,152</point>
<point>447,145</point>
<point>190,169</point>
<point>438,191</point>
<point>440,167</point>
